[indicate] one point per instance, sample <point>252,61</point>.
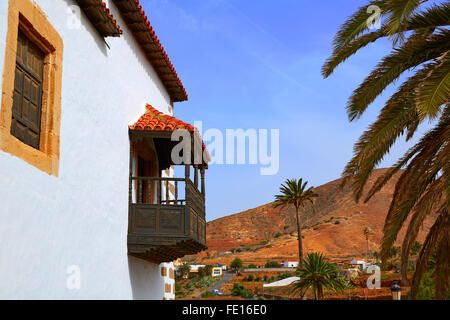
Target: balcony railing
<point>166,218</point>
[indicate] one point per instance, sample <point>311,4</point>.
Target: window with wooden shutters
<point>27,100</point>
<point>30,103</point>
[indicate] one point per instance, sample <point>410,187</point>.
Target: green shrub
<point>207,294</point>
<point>271,264</point>
<point>277,235</point>
<point>240,291</point>
<point>236,264</point>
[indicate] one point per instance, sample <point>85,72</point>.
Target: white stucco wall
<point>80,219</point>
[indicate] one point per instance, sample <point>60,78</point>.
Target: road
<point>227,276</point>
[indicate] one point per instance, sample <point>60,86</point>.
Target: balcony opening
<point>166,214</point>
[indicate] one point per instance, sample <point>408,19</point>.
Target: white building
<point>85,210</point>
<point>290,264</point>
<point>196,267</point>
<point>361,264</point>
<point>281,283</point>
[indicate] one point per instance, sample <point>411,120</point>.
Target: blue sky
<point>256,64</point>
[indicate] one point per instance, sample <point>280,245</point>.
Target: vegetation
<point>236,264</point>
<point>318,275</point>
<point>248,279</point>
<point>284,275</point>
<point>416,248</point>
<point>207,294</point>
<point>240,291</point>
<point>421,44</point>
<point>394,251</point>
<point>294,192</point>
<point>205,271</point>
<point>183,270</point>
<point>277,235</point>
<point>271,264</point>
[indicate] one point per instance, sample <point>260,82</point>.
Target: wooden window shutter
<point>27,100</point>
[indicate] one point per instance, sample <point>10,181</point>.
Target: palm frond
<point>434,237</point>
<point>442,273</point>
<point>434,90</point>
<point>400,11</point>
<point>412,54</point>
<point>430,199</point>
<point>355,25</point>
<point>343,53</point>
<point>432,17</point>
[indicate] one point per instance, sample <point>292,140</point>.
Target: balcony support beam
<point>202,173</point>
<point>196,176</point>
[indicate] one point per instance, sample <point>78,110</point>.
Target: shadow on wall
<point>146,280</point>
<point>96,36</point>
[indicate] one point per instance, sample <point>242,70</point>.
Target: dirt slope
<point>335,228</point>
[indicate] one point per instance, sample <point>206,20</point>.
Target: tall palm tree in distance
<point>367,232</point>
<point>294,192</point>
<point>420,36</point>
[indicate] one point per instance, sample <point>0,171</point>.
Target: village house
<point>290,264</point>
<point>89,203</point>
<point>358,263</point>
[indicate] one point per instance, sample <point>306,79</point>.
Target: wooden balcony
<point>166,218</point>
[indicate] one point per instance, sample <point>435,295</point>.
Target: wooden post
<point>167,192</point>
<point>130,187</point>
<point>202,172</point>
<point>187,172</point>
<point>158,190</point>
<point>196,176</point>
<point>176,193</point>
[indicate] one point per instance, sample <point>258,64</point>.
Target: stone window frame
<point>30,19</point>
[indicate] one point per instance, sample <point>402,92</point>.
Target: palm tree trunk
<point>299,238</point>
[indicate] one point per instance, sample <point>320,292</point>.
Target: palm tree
<point>421,39</point>
<point>317,275</point>
<point>366,233</point>
<point>294,192</point>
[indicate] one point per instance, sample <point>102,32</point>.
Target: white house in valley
<point>88,202</point>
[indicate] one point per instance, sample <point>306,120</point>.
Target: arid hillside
<point>335,227</point>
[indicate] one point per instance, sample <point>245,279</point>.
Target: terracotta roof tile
<point>138,22</point>
<point>101,17</point>
<point>154,120</point>
<point>111,17</point>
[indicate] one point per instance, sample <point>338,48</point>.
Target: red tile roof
<point>111,17</point>
<point>137,21</point>
<point>154,120</point>
<point>101,17</point>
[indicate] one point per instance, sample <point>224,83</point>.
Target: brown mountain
<point>335,227</point>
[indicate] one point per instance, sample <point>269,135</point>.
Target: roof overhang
<point>136,20</point>
<point>100,16</point>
